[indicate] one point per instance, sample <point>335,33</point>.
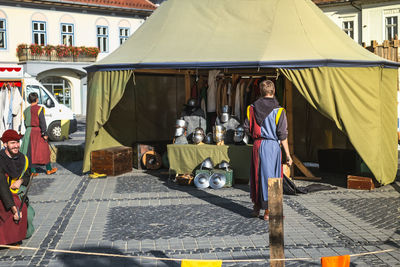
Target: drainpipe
<point>360,19</point>
<point>353,5</point>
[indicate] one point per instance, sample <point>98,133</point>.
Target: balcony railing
<point>25,54</point>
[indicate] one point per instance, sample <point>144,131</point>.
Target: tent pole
<point>289,113</point>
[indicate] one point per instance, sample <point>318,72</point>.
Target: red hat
<point>10,135</point>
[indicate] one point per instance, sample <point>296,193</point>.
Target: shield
<point>202,180</point>
<point>217,180</point>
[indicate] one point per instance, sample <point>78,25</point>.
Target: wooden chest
<point>361,183</point>
<point>112,161</point>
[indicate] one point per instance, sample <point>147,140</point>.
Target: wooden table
<point>186,158</point>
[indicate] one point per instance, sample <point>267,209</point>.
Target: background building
<point>104,24</point>
<point>364,20</point>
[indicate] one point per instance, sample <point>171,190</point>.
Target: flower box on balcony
<point>57,53</point>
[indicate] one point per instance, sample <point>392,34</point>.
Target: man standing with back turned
<point>266,123</point>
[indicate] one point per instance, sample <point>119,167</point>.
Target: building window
<point>123,35</point>
<point>67,34</point>
<point>348,28</point>
<point>391,27</point>
<point>39,32</point>
<point>60,88</point>
<point>102,38</point>
<point>3,34</point>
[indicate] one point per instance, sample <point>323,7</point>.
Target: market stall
<point>350,86</point>
<point>11,97</point>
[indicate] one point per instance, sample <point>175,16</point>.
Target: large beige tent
<point>348,84</point>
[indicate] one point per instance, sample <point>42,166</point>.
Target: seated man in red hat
<point>14,172</point>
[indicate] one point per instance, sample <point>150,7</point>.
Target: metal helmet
<point>179,132</point>
<point>192,102</point>
<point>224,114</point>
<point>181,127</point>
<point>181,123</point>
<point>224,165</point>
<point>239,134</point>
<point>207,164</point>
<point>198,135</point>
<point>218,133</point>
<point>208,139</point>
<point>217,180</point>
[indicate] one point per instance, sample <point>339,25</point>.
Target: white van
<point>55,112</point>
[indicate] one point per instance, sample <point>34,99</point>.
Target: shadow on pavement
<point>204,195</point>
<point>160,254</point>
<point>77,260</point>
<point>395,186</point>
<point>74,166</point>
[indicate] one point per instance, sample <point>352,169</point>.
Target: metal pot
<point>218,133</point>
<point>208,139</point>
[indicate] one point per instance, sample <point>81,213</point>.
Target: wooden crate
<point>112,161</point>
<point>359,182</point>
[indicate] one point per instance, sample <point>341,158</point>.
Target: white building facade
<point>365,20</point>
<point>105,25</point>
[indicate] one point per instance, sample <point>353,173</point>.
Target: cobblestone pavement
<point>143,214</point>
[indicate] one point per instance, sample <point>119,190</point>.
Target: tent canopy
<point>238,33</point>
<point>345,82</point>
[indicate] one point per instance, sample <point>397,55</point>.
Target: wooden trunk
<point>112,161</point>
<point>361,183</point>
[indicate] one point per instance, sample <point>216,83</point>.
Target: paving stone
<point>144,214</point>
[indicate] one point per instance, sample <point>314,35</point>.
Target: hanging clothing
<point>12,169</point>
<point>212,90</point>
<point>237,99</point>
<point>193,91</point>
<point>33,143</point>
<point>203,99</point>
<point>229,94</point>
<point>6,109</point>
<point>16,109</point>
<point>2,105</point>
<point>267,124</point>
<point>9,122</point>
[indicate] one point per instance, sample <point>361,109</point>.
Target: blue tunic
<point>269,152</point>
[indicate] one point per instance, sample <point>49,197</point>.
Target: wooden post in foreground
<point>275,206</point>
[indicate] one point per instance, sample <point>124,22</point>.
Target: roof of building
<point>136,4</point>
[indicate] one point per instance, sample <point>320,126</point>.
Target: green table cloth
<point>186,158</point>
